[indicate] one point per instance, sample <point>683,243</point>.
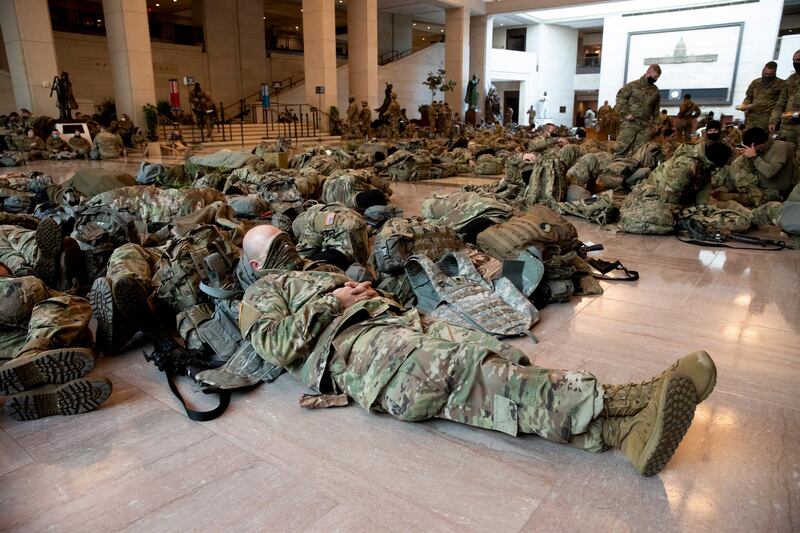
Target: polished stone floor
<point>138,464</point>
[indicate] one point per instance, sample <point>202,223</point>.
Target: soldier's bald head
<point>256,242</point>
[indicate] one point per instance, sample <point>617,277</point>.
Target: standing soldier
<point>787,107</point>
<point>352,116</point>
<point>365,117</point>
<point>761,97</point>
<point>202,107</point>
<point>393,114</point>
<point>603,121</point>
<point>638,103</point>
<point>687,114</point>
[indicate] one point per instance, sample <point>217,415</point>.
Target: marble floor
<point>138,464</point>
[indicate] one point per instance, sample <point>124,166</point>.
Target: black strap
<point>201,416</point>
<point>604,267</point>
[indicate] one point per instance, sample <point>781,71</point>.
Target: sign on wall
<point>174,95</point>
<point>700,60</point>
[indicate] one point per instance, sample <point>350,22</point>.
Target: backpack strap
<point>604,267</point>
<point>201,416</point>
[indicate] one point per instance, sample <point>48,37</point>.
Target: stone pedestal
<point>472,117</point>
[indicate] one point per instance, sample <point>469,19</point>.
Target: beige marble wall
<point>362,45</point>
<point>456,56</point>
<point>319,41</point>
<point>31,55</point>
<point>131,58</point>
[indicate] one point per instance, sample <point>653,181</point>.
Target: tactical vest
<point>401,238</point>
<point>453,291</point>
<point>99,231</point>
<point>180,270</point>
<point>599,209</point>
<point>645,211</point>
<point>540,227</point>
<point>548,181</point>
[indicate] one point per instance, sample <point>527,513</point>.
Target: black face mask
<point>713,136</point>
<point>796,65</point>
<point>768,78</point>
<point>651,80</point>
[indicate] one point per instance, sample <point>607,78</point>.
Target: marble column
<point>236,47</point>
<point>31,54</point>
<point>362,50</point>
<point>319,54</point>
<point>480,50</point>
<point>128,37</point>
<point>456,56</point>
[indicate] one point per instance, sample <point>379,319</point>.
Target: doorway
<point>511,99</point>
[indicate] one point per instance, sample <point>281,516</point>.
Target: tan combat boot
<point>630,398</point>
<point>650,438</point>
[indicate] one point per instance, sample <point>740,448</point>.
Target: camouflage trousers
<point>18,250</point>
<point>767,214</point>
<point>632,135</point>
<point>133,260</point>
<point>153,204</point>
<point>35,318</point>
<point>471,378</point>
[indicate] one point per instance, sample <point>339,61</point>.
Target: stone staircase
<point>247,136</point>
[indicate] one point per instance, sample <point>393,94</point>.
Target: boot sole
<point>48,241</point>
<point>77,396</point>
<point>47,367</point>
<point>677,405</point>
<point>102,303</point>
<point>130,298</point>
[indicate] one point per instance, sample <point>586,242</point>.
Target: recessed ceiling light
<point>429,27</point>
<point>265,18</point>
<point>158,5</point>
<point>297,27</point>
<point>423,38</point>
<point>501,23</point>
<point>413,23</point>
<point>441,31</point>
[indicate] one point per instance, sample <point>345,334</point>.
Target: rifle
<point>700,236</point>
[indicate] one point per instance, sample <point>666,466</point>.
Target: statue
<point>387,99</point>
<point>543,101</point>
<point>64,97</point>
<point>471,98</point>
<point>492,105</point>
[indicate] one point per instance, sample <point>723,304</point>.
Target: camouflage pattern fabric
<point>646,211</point>
<point>586,169</point>
<point>388,362</point>
<point>540,227</point>
<point>35,318</point>
<point>343,186</point>
<point>80,146</point>
<point>456,210</point>
<point>548,181</point>
<point>18,250</point>
<point>643,101</point>
<point>762,96</point>
<point>600,209</point>
<point>332,226</point>
<point>153,204</point>
<point>107,146</point>
<point>723,216</point>
<point>401,238</point>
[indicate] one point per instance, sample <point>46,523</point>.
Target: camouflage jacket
<point>682,175</point>
<point>762,97</point>
<point>640,99</point>
<point>292,321</point>
<point>688,110</point>
<point>789,99</point>
<point>326,226</point>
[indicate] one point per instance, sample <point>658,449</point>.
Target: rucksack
<point>540,227</point>
<point>99,231</point>
<point>401,238</point>
<point>547,182</point>
<point>180,270</point>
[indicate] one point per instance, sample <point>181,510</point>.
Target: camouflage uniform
<point>56,144</point>
<point>642,100</point>
<point>18,250</point>
<point>80,146</point>
<point>687,112</point>
<point>385,359</point>
<point>342,187</point>
<point>152,204</point>
<point>107,146</point>
<point>603,121</point>
<point>34,147</point>
<point>332,226</point>
<point>201,103</point>
<point>788,102</point>
<point>763,97</point>
<point>35,318</point>
<point>456,210</point>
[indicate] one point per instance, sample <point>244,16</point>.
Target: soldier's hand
<point>772,128</point>
<point>350,295</point>
<point>628,117</point>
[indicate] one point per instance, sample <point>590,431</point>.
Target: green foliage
<point>151,122</point>
<point>436,82</point>
<point>106,112</point>
<point>165,109</point>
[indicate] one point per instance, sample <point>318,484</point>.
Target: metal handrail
<point>393,55</point>
<point>287,83</point>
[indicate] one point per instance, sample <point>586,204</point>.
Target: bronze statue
<point>64,97</point>
<point>387,99</point>
<point>471,98</point>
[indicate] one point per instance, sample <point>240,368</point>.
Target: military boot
<point>650,438</point>
<point>48,242</point>
<point>70,268</point>
<point>131,299</point>
<point>42,367</point>
<point>72,398</point>
<point>113,332</point>
<point>630,398</point>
